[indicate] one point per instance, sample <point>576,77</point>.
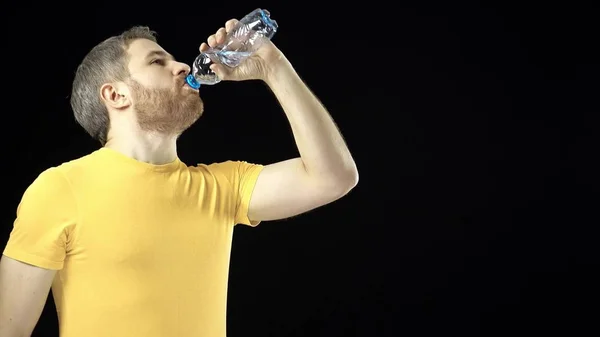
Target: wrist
<point>278,68</point>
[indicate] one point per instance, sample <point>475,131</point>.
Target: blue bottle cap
<point>191,81</point>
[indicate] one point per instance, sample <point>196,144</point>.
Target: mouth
<point>185,85</point>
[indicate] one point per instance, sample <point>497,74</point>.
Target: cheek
<point>155,80</point>
<point>160,81</point>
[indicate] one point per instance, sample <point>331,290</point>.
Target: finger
<point>204,47</point>
<point>230,24</point>
<point>212,41</point>
<point>221,71</point>
<point>220,35</point>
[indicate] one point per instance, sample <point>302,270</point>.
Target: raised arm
<point>325,170</point>
<point>23,292</point>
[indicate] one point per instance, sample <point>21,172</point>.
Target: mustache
<point>181,81</point>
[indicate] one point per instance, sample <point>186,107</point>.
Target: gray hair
<point>106,62</point>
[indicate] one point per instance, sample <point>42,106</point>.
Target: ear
<point>115,95</point>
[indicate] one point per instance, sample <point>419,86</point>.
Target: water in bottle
<point>241,42</point>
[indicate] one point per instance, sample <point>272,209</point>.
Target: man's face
<point>162,101</point>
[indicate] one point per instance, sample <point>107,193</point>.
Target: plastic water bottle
<point>241,42</point>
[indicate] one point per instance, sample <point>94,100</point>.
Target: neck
<point>152,148</point>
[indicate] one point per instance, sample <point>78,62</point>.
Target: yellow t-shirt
<point>141,250</point>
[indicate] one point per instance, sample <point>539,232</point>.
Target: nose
<point>181,69</point>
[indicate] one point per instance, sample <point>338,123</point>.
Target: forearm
<point>320,143</point>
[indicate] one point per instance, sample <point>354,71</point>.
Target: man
<point>132,241</point>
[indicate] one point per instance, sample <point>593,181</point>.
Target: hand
<point>256,67</point>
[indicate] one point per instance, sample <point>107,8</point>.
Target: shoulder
<point>232,170</point>
<point>227,165</point>
<point>49,180</point>
<point>57,178</point>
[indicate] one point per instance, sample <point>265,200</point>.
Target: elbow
<point>347,180</point>
<point>337,183</point>
<point>351,179</point>
<point>352,176</point>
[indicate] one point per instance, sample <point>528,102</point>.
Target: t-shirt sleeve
<point>43,231</point>
<point>242,177</point>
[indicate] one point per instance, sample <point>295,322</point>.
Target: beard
<point>165,111</point>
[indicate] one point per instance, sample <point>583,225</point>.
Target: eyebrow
<point>159,53</point>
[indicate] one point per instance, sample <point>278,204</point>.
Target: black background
<point>474,131</point>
